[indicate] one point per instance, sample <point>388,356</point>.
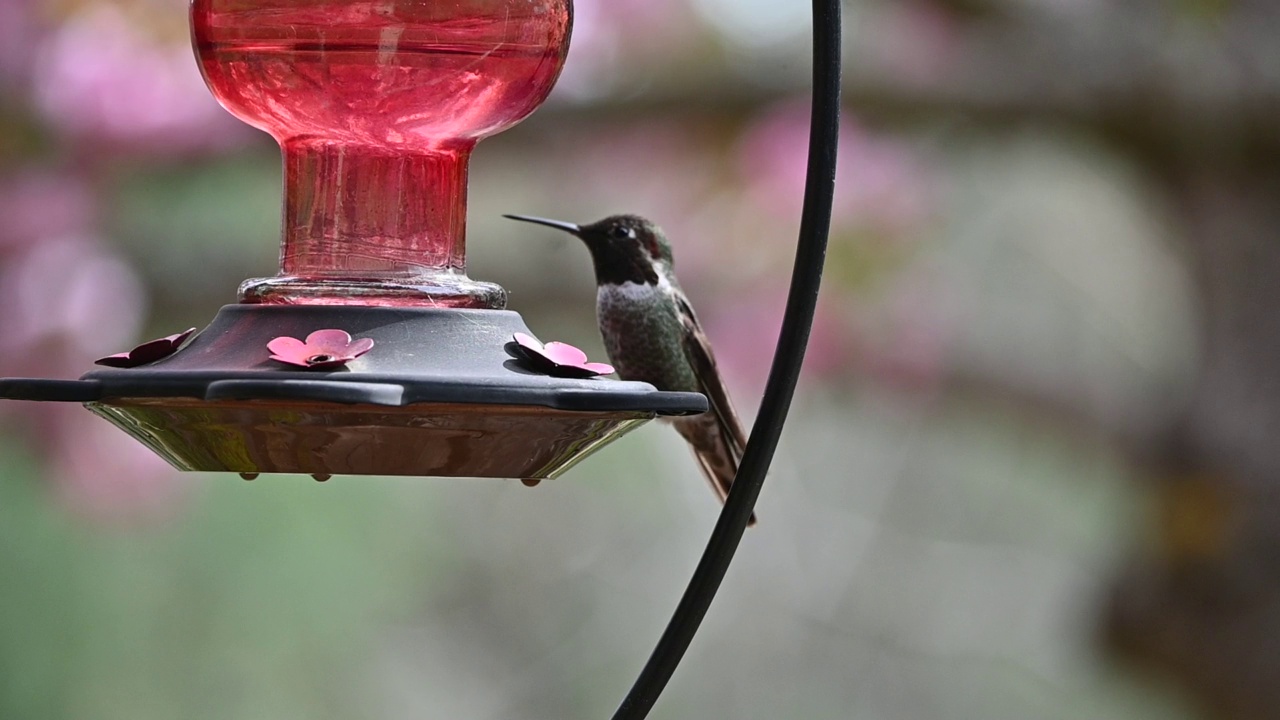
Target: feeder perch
<point>376,106</point>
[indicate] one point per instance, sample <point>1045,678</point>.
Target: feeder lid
<point>420,355</point>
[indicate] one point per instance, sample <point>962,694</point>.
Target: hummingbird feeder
<point>371,352</point>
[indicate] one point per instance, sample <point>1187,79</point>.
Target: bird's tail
<point>717,454</point>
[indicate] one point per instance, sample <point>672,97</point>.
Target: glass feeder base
<point>437,439</point>
<point>443,290</point>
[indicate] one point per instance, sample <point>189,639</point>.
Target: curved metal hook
<point>811,249</point>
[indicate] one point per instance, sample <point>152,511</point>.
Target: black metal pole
<point>811,249</point>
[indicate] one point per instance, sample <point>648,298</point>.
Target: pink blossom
<point>64,295</point>
<point>914,42</point>
<point>41,204</point>
<point>609,33</point>
<point>745,331</point>
<point>98,79</point>
<point>18,33</point>
<point>880,184</point>
<point>70,292</point>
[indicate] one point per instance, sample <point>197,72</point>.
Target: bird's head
<point>624,248</point>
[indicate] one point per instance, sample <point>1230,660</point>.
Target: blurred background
<point>1030,469</point>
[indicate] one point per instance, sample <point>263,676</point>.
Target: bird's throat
<point>617,268</point>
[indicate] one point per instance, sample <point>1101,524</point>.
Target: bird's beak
<point>568,227</point>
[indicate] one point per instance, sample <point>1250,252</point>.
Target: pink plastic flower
<point>323,349</point>
<point>557,358</point>
<point>147,352</point>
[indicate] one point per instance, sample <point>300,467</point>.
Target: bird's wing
<point>718,440</point>
<point>697,350</point>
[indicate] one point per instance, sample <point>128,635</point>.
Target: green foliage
<point>196,229</point>
<point>258,604</point>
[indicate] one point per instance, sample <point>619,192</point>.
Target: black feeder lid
<point>440,394</point>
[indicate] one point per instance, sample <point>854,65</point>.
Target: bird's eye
<point>620,231</point>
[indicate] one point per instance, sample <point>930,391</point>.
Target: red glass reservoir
<point>377,105</point>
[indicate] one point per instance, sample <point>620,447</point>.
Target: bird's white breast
<point>633,293</point>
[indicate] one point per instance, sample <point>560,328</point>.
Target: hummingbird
<point>652,335</point>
